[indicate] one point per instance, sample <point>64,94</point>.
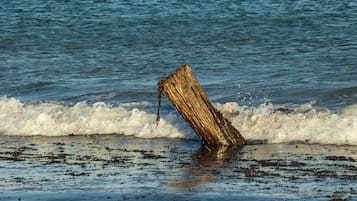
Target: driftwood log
<point>186,95</point>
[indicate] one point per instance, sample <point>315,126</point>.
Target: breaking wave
<point>267,123</point>
<point>303,123</point>
<point>53,119</point>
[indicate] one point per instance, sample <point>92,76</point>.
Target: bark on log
<point>186,95</point>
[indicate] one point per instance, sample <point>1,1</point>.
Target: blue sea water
<point>61,57</point>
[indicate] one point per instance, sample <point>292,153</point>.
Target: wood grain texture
<point>185,93</point>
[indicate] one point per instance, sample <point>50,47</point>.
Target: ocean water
<point>92,67</point>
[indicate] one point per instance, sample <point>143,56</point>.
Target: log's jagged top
<point>179,71</point>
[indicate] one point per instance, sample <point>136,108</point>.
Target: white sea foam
<point>51,119</point>
<point>263,123</point>
<point>303,123</point>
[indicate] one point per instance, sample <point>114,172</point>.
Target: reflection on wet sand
<point>153,167</point>
<point>205,164</point>
<point>214,157</point>
<point>191,183</point>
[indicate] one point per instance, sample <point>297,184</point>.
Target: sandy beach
<point>114,167</point>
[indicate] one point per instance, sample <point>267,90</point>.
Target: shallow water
<point>114,167</point>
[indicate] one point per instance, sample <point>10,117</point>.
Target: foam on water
<point>52,119</point>
<point>266,122</point>
<point>303,123</point>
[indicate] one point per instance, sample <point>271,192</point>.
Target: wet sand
<point>114,167</point>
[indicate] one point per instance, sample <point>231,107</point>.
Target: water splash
<point>52,119</point>
<point>303,123</point>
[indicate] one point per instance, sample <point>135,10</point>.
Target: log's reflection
<point>215,157</point>
<point>207,164</point>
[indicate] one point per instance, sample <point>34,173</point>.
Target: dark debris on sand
<point>286,167</point>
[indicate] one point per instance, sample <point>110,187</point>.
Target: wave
<point>53,119</point>
<point>265,123</point>
<point>302,123</point>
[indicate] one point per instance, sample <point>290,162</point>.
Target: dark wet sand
<point>114,167</point>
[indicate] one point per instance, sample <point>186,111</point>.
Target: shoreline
<point>115,167</point>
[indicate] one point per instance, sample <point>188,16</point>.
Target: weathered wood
<point>186,95</point>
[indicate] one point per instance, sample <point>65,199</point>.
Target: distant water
<point>91,67</point>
